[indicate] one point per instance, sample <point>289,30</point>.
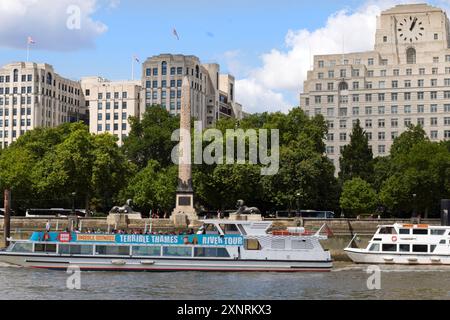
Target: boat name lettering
<point>95,238</point>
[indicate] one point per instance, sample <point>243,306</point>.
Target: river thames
<point>346,281</point>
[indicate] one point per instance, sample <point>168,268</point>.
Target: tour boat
<point>220,245</point>
<point>405,244</point>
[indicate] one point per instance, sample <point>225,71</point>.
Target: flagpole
<point>132,68</point>
<point>28,51</point>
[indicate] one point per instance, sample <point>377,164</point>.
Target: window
<point>436,36</point>
<point>420,248</point>
<point>411,56</point>
<point>381,149</point>
<point>394,123</point>
<point>408,72</point>
<point>436,232</point>
<point>381,123</point>
<point>164,68</point>
<point>420,231</point>
<point>375,247</point>
<point>211,253</point>
<point>321,64</point>
<point>420,108</point>
<point>331,74</point>
<point>370,61</point>
<point>75,249</point>
<point>407,109</point>
<point>177,251</point>
<point>405,248</point>
<point>146,251</point>
<point>420,95</point>
<point>252,244</point>
<point>433,108</point>
<point>47,248</point>
<point>434,122</point>
<point>395,84</point>
<point>368,110</point>
<point>389,247</point>
<point>433,95</point>
<point>112,250</point>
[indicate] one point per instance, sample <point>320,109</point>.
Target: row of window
<point>371,61</point>
<point>115,105</point>
<point>355,73</point>
<point>24,78</point>
<point>369,110</point>
<point>369,97</point>
<point>394,123</point>
<point>108,116</point>
<point>403,248</point>
<point>15,112</point>
<point>23,123</point>
<point>381,85</point>
<point>105,250</point>
<point>330,150</point>
<point>173,71</point>
<point>172,94</point>
<point>108,95</point>
<point>343,136</point>
<point>115,127</point>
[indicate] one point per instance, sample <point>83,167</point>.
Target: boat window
<point>405,231</point>
<point>49,248</point>
<point>211,253</point>
<point>442,242</point>
<point>252,244</point>
<point>75,249</point>
<point>437,232</point>
<point>112,250</point>
<point>279,244</point>
<point>301,245</point>
<point>375,247</point>
<point>211,229</point>
<point>405,248</point>
<point>230,229</point>
<point>22,247</point>
<point>420,248</point>
<point>432,248</point>
<point>388,230</point>
<point>242,230</point>
<point>146,251</point>
<point>420,231</point>
<point>177,251</point>
<point>389,247</point>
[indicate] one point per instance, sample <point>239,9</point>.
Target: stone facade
<point>111,104</point>
<point>162,78</point>
<point>32,95</point>
<point>404,81</point>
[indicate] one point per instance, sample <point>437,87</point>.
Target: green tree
<point>358,197</point>
<point>153,188</point>
<point>357,157</point>
<point>422,169</point>
<point>150,137</point>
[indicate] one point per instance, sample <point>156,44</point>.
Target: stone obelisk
<point>184,209</point>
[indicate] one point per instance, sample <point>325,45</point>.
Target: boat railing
<point>354,243</point>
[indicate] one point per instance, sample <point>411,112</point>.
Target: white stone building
<point>405,80</point>
<point>111,104</point>
<point>162,77</point>
<point>32,95</point>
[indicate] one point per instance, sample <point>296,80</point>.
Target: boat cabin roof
<point>242,227</point>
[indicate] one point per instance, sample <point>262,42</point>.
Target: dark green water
<point>344,282</point>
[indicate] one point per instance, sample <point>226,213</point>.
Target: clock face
<point>410,29</point>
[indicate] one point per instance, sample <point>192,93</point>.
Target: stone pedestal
<point>246,217</point>
<point>118,220</point>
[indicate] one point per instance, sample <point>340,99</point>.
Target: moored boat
<point>220,245</point>
<point>405,244</point>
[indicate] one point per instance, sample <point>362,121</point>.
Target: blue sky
<point>247,37</point>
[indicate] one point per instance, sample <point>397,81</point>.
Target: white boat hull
<point>364,257</point>
<point>162,265</point>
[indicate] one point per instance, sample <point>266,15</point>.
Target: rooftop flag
<point>31,41</point>
<point>175,33</point>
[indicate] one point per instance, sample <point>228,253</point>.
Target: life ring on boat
<point>394,238</point>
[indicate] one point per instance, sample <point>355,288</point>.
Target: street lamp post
<point>74,194</point>
<point>298,202</point>
<point>415,206</point>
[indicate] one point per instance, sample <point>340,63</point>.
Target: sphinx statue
<point>243,209</point>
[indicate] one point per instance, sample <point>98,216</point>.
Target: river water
<point>346,281</point>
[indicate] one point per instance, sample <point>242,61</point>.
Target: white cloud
<point>284,71</point>
<point>46,22</point>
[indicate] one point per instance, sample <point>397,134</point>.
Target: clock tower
<point>410,33</point>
